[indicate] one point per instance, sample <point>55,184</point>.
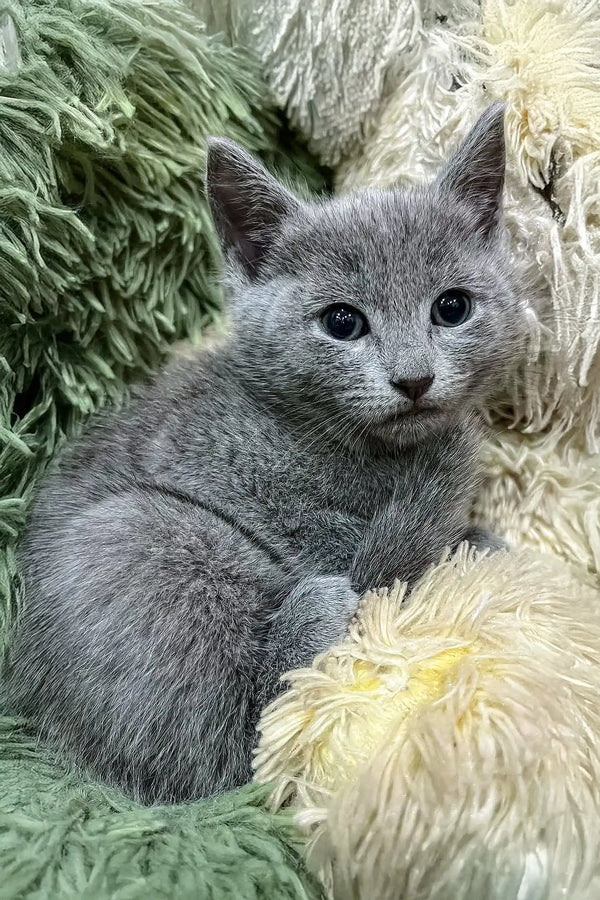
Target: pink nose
<point>415,387</point>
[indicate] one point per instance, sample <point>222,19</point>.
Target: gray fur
<point>218,531</point>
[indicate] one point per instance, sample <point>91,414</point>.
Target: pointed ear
<point>475,174</point>
<point>247,204</point>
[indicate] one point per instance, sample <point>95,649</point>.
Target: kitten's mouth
<point>418,411</point>
<point>411,424</point>
<point>413,413</point>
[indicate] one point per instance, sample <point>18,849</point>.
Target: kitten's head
<point>383,314</point>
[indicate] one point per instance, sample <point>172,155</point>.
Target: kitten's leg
<point>401,544</point>
<point>435,489</point>
<point>313,616</point>
<point>137,649</point>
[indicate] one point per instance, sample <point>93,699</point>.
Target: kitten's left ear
<point>475,174</point>
<point>248,205</point>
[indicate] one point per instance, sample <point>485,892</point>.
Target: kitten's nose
<point>413,387</point>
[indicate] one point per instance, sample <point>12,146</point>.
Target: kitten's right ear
<point>247,204</point>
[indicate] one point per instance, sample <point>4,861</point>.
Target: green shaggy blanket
<point>64,837</point>
<point>106,257</point>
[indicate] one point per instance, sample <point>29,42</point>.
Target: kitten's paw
<point>482,539</point>
<point>313,617</point>
<point>337,593</point>
<point>319,610</point>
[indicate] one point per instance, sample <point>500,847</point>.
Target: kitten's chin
<point>400,430</point>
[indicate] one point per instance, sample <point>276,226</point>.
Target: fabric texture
<point>449,747</point>
<point>327,64</point>
<point>107,257</point>
<point>64,836</point>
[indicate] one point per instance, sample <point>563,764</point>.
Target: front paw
<point>338,605</point>
<point>318,611</point>
<point>482,539</point>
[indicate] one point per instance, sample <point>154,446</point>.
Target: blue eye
<point>344,323</point>
<point>451,308</point>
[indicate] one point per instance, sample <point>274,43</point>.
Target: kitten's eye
<point>451,308</point>
<point>344,323</point>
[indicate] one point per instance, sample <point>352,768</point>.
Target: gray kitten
<point>218,531</point>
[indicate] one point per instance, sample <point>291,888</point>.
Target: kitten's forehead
<point>387,235</point>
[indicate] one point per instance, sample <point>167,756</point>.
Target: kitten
<point>218,531</point>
